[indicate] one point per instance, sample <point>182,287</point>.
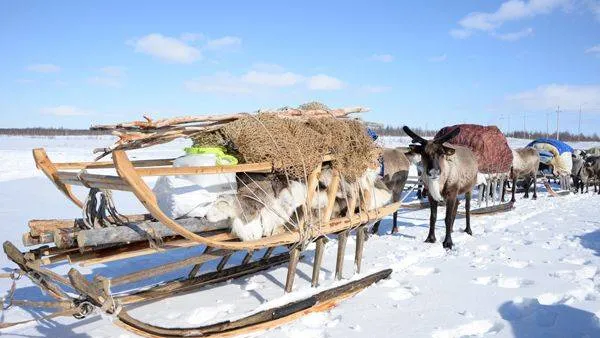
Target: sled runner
<point>104,235</point>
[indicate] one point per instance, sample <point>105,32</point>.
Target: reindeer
<point>448,171</point>
<point>264,203</point>
<point>526,162</point>
<point>592,165</point>
<point>394,174</point>
<point>581,174</point>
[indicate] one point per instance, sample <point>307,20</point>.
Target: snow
<point>530,272</point>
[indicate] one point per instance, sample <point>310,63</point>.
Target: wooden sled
<point>64,240</point>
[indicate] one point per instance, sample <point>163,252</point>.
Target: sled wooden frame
<point>219,245</point>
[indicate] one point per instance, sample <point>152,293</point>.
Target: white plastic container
<point>192,195</point>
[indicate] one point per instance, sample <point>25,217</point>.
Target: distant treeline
<point>384,131</point>
<point>564,136</point>
<point>51,132</point>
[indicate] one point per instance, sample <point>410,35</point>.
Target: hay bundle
<point>296,146</point>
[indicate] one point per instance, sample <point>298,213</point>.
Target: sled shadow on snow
<point>529,318</point>
<point>591,240</point>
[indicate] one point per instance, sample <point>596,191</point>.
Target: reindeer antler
<point>415,138</point>
<point>448,136</point>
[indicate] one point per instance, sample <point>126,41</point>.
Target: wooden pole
<point>223,261</point>
<point>291,273</point>
<point>339,264</point>
<point>360,242</point>
<point>320,245</point>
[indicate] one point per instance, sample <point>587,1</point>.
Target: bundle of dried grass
<point>295,140</point>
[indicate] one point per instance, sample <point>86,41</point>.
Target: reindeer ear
<point>416,148</point>
<point>449,150</point>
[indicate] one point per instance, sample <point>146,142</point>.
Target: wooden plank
<point>360,243</point>
<point>111,164</point>
<point>40,226</point>
<point>94,181</point>
<point>223,262</point>
<point>332,190</point>
<point>291,273</point>
<point>339,263</point>
<point>320,245</point>
<point>259,321</point>
<point>179,286</point>
<point>162,269</point>
<point>43,163</point>
<point>110,254</point>
<point>137,232</point>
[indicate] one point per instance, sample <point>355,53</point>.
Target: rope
<point>15,275</point>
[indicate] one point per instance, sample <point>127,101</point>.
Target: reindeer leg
<point>468,213</point>
<point>433,204</point>
<point>503,190</point>
<point>395,222</point>
<point>375,228</point>
<point>514,186</point>
<point>534,182</point>
<point>481,193</point>
<point>450,203</point>
<point>454,214</point>
<point>527,183</point>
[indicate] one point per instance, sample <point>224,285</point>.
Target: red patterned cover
<point>487,142</point>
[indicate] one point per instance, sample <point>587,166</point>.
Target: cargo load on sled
<point>267,184</point>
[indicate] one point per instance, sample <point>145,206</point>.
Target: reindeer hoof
<point>469,231</point>
<point>448,244</point>
<point>513,200</point>
<point>430,239</point>
<point>394,230</point>
<point>526,196</point>
<point>534,198</point>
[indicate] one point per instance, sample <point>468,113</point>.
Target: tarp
<point>487,143</point>
<point>561,160</point>
<point>559,145</point>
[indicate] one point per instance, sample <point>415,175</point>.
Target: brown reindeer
<point>526,162</point>
<point>395,172</point>
<point>448,171</point>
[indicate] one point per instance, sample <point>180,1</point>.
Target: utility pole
<point>557,128</point>
<point>579,131</point>
<point>547,124</point>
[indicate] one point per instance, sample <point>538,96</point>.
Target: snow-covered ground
<point>530,272</point>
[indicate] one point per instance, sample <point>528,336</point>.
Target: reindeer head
<point>432,153</point>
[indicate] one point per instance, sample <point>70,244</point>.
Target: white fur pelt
<point>251,220</point>
<point>268,220</point>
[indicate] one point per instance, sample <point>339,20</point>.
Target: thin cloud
<point>166,48</point>
<point>43,68</point>
<point>109,76</point>
<point>324,82</point>
<point>548,97</point>
<point>594,50</point>
<point>64,110</point>
<point>511,10</point>
<point>225,42</point>
<point>272,79</point>
<point>515,35</point>
<point>260,81</point>
<point>382,58</point>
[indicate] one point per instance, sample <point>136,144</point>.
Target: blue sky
<point>421,63</point>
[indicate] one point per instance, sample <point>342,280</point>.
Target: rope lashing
<point>15,275</point>
<point>99,210</point>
